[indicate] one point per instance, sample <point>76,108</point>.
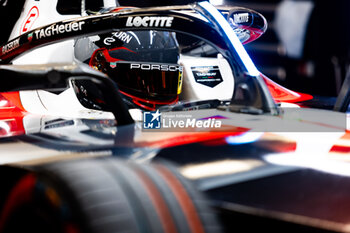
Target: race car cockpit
<point>161,64</point>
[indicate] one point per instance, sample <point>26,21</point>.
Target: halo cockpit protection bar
<point>201,20</point>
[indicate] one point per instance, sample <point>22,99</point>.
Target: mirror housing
<point>57,77</point>
<point>248,25</point>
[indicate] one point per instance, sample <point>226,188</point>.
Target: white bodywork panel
<point>56,53</point>
<point>64,104</point>
<point>37,14</point>
<point>40,13</point>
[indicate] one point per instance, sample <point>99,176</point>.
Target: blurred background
<point>305,48</point>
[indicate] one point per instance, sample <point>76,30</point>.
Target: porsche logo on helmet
<point>149,21</point>
<point>161,67</point>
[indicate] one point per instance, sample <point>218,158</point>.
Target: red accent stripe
<point>12,114</point>
<point>340,149</point>
<point>346,135</point>
<point>122,8</point>
<point>14,98</point>
<point>254,34</point>
<point>106,54</point>
<point>282,94</point>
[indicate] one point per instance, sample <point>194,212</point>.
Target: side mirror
<point>248,25</point>
<point>51,77</point>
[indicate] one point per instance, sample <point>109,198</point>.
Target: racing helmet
<point>144,64</point>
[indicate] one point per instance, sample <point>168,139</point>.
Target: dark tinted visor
<point>149,81</point>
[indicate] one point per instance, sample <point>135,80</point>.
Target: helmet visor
<point>148,81</point>
<point>144,80</point>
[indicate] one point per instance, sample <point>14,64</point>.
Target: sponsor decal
<point>149,21</point>
<point>241,18</point>
<point>57,29</point>
<point>144,66</point>
<point>30,36</point>
<point>32,16</point>
<point>10,46</point>
<point>207,75</point>
<point>123,36</point>
<point>113,65</point>
<point>177,121</point>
